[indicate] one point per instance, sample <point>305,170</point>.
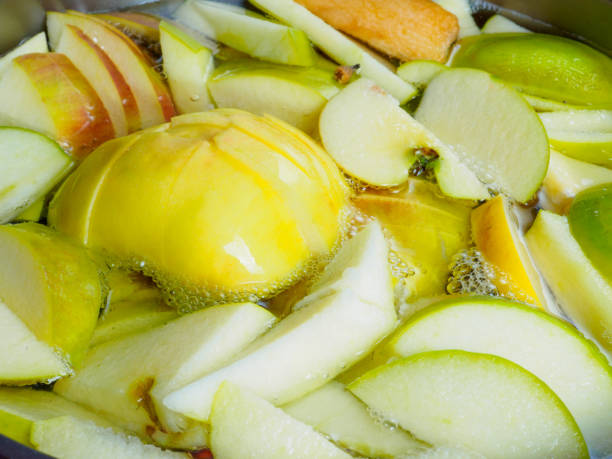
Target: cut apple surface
<point>348,310</point>
<point>36,44</point>
<point>490,405</point>
<point>553,350</point>
<point>338,414</point>
<point>246,426</point>
<point>419,73</point>
<point>248,32</point>
<point>47,93</point>
<point>491,128</point>
<point>33,213</point>
<point>338,46</point>
<point>31,165</point>
<point>295,95</point>
<point>188,65</point>
<point>500,24</point>
<point>462,10</point>
<point>151,94</point>
<point>582,291</point>
<point>52,285</point>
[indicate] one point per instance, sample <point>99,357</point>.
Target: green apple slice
<point>348,311</point>
<point>477,401</point>
<point>550,348</point>
<point>491,128</point>
<point>445,452</point>
<point>244,425</point>
<point>34,212</point>
<point>295,95</point>
<point>567,177</point>
<point>419,72</point>
<point>582,291</point>
<point>118,375</point>
<point>500,24</point>
<point>547,66</point>
<point>373,139</point>
<point>461,9</point>
<point>248,32</point>
<point>31,165</point>
<point>52,285</point>
<point>188,65</point>
<point>338,46</point>
<point>578,120</point>
<point>25,359</point>
<point>335,412</point>
<point>590,221</point>
<point>541,104</point>
<point>36,44</point>
<point>71,438</point>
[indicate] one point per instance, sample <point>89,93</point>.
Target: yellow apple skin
<point>217,206</point>
<point>52,285</point>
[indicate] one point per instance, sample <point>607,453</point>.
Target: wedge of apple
<point>52,285</point>
<point>69,437</point>
<point>489,405</point>
<point>151,94</point>
<point>248,32</point>
<point>31,165</point>
<point>127,378</point>
<point>348,310</point>
<point>339,415</point>
<point>542,104</point>
<point>338,46</point>
<point>188,65</point>
<point>567,177</point>
<point>490,127</point>
<point>295,95</point>
<point>244,425</point>
<point>33,213</point>
<point>581,290</point>
<point>463,11</point>
<point>500,24</point>
<point>47,93</point>
<point>419,73</point>
<point>36,44</point>
<point>373,139</point>
<point>141,27</point>
<point>551,349</point>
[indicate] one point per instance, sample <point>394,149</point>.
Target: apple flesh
<point>32,164</point>
<point>47,93</point>
<point>244,425</point>
<point>36,44</point>
<point>294,95</point>
<point>33,213</point>
<point>500,24</point>
<point>490,405</point>
<point>419,72</point>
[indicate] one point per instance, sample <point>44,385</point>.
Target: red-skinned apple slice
<point>46,92</point>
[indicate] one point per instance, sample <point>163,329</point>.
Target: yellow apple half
<point>217,205</point>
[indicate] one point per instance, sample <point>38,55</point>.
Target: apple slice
<point>582,291</point>
<point>244,425</point>
<point>349,309</point>
<point>188,65</point>
<point>36,44</point>
<point>52,285</point>
<point>33,213</point>
<point>335,412</point>
<point>142,28</point>
<point>69,437</point>
<point>126,379</point>
<point>31,165</point>
<point>550,348</point>
<point>592,147</point>
<point>338,46</point>
<point>567,177</point>
<point>294,95</point>
<point>373,139</point>
<point>590,221</point>
<point>500,24</point>
<point>489,405</point>
<point>47,93</point>
<point>463,11</point>
<point>541,104</point>
<point>419,73</point>
<point>151,94</point>
<point>547,66</point>
<point>491,128</point>
<point>248,32</point>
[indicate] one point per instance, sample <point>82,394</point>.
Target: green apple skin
<point>590,221</point>
<point>542,65</point>
<point>581,290</point>
<point>489,405</point>
<point>550,348</point>
<point>52,285</point>
<point>244,425</point>
<point>295,95</point>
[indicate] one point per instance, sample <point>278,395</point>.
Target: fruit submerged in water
<point>217,206</point>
